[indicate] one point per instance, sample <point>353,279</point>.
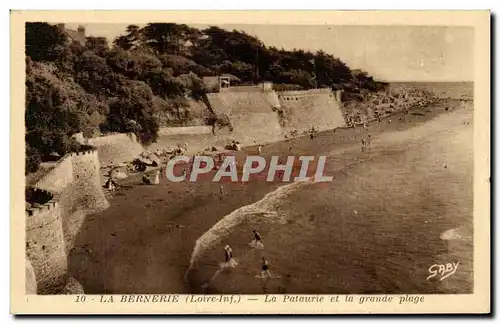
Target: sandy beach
<point>144,241</point>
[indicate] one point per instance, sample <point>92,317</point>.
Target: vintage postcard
<point>250,162</point>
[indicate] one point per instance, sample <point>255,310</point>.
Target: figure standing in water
<point>265,268</point>
<point>228,254</point>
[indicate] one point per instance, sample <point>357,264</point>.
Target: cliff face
<point>74,189</point>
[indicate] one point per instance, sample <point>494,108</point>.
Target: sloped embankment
<point>251,115</point>
<point>319,108</point>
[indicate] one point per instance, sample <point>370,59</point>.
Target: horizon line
<point>433,81</point>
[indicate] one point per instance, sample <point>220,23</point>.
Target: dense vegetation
<point>146,76</point>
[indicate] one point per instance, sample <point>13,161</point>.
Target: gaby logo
<point>443,270</point>
<point>284,169</point>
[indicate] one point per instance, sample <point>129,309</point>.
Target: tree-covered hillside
<point>145,78</point>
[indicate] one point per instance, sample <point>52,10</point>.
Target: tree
<point>191,85</point>
<point>44,42</point>
<point>33,159</point>
<point>131,40</point>
<point>135,65</point>
<point>66,62</point>
<point>300,77</point>
<point>133,112</point>
<point>182,65</point>
<point>98,45</point>
<point>331,71</point>
<point>167,37</point>
<point>55,110</point>
<point>93,74</point>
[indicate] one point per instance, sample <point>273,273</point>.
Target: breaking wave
<point>266,207</point>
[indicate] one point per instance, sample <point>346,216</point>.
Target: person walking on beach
<point>221,191</point>
<point>257,240</point>
<point>110,185</point>
<point>369,141</point>
<point>312,132</point>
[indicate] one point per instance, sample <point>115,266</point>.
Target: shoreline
<point>190,152</point>
<point>275,216</point>
<point>177,216</point>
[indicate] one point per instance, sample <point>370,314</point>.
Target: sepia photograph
<point>165,158</point>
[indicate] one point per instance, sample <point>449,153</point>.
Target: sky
<point>388,53</point>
